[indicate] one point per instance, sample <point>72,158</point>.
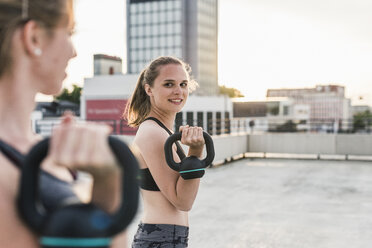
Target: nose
<point>177,90</point>
<point>74,53</point>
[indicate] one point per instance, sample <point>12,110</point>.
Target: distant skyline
<point>262,44</point>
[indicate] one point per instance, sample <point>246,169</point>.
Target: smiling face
<point>170,89</point>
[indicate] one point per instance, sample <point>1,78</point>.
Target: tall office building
<point>183,28</point>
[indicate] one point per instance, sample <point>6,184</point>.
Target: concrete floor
<point>282,203</point>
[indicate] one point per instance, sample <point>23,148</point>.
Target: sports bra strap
<point>180,151</point>
<point>12,154</point>
<point>160,124</point>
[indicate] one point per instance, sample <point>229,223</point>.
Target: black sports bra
<point>146,181</point>
<point>53,191</point>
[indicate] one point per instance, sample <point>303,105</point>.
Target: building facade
<point>107,65</point>
<point>327,103</point>
<point>187,29</point>
<point>275,114</point>
<point>105,97</point>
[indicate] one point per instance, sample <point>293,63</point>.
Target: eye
<point>168,84</point>
<point>184,84</point>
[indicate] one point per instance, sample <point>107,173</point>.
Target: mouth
<point>175,101</point>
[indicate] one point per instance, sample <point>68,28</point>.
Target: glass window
<point>170,41</point>
<point>178,52</point>
<point>148,42</point>
<point>162,5</point>
<point>178,17</point>
<point>170,5</point>
<point>163,41</point>
<point>155,17</point>
<point>148,18</point>
<point>147,7</point>
<point>140,54</point>
<point>177,40</point>
<point>148,55</point>
<point>139,43</point>
<point>133,66</point>
<point>133,19</point>
<point>133,32</point>
<point>154,6</point>
<point>138,19</point>
<point>133,8</point>
<point>177,28</point>
<point>140,7</point>
<point>170,50</point>
<point>177,4</point>
<point>162,17</point>
<point>161,29</point>
<point>135,55</point>
<point>148,30</point>
<point>141,31</point>
<point>170,16</point>
<point>172,28</point>
<point>155,29</point>
<point>133,43</point>
<point>155,41</point>
<point>157,53</point>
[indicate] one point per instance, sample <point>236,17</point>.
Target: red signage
<point>110,112</point>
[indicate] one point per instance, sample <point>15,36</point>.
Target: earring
<point>37,52</point>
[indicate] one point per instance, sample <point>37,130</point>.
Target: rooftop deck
<point>282,203</point>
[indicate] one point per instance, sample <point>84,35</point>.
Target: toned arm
<point>181,193</point>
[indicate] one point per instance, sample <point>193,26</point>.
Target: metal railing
<point>237,125</point>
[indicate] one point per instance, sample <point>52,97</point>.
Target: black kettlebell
<point>190,167</point>
<point>77,225</point>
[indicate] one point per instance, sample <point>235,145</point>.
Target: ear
<point>148,90</point>
<point>34,38</point>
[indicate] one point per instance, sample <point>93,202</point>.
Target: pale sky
<point>262,43</point>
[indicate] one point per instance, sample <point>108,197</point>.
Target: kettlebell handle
<point>177,136</point>
<point>35,215</point>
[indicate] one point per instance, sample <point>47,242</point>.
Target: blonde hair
<point>16,13</point>
<point>139,106</point>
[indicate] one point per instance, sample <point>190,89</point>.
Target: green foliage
<point>362,120</point>
<point>230,92</point>
<point>289,126</point>
<point>72,96</point>
<point>274,110</point>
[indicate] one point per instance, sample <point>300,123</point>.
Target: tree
<point>230,92</point>
<point>289,126</point>
<point>72,96</point>
<point>362,121</point>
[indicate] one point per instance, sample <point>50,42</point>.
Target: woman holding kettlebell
<point>35,48</point>
<point>161,92</point>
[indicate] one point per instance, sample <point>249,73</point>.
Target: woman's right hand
<point>193,137</point>
<point>85,147</point>
<point>82,147</point>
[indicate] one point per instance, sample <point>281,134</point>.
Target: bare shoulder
<point>150,134</point>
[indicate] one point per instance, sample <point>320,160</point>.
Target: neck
<point>16,105</point>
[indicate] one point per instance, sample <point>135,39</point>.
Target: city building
<point>104,99</point>
<point>48,114</point>
<point>275,114</point>
<point>187,29</point>
<point>328,105</point>
<point>107,65</point>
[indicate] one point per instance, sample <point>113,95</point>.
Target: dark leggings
<point>160,236</point>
